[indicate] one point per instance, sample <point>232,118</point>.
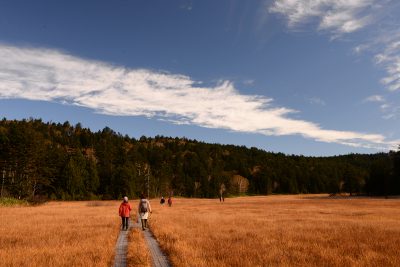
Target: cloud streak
<point>316,101</point>
<point>51,75</point>
<point>388,108</point>
<point>377,18</point>
<point>375,98</point>
<point>338,16</point>
<point>390,59</point>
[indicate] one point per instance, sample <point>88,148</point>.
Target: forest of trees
<point>61,161</point>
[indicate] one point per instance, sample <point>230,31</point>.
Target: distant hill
<point>61,161</point>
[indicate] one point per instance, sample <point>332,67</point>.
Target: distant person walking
<point>170,201</point>
<point>222,189</point>
<point>162,201</point>
<point>124,212</point>
<point>144,209</point>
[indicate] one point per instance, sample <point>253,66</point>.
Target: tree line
<point>62,161</point>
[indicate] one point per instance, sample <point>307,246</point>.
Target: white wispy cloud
<point>186,5</point>
<point>51,75</point>
<point>379,18</point>
<point>338,16</point>
<point>317,101</point>
<point>248,82</point>
<point>390,59</point>
<point>389,108</point>
<point>390,111</point>
<point>375,98</point>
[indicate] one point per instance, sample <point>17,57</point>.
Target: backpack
<point>143,205</point>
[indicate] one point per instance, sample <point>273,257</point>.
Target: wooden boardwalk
<point>159,258</point>
<point>121,248</point>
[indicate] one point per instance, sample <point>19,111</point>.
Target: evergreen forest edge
<point>50,160</point>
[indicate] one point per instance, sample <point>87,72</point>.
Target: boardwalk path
<point>121,248</point>
<point>159,259</point>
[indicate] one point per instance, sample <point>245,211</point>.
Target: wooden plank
<point>121,248</point>
<point>159,258</point>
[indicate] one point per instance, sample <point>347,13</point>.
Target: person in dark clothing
<point>170,201</point>
<point>221,194</point>
<point>162,201</point>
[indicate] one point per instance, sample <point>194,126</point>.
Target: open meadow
<point>59,234</point>
<point>305,230</point>
<point>280,231</point>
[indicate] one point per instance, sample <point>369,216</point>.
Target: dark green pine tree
<point>76,174</point>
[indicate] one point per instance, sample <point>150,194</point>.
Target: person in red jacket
<point>170,201</point>
<point>124,212</point>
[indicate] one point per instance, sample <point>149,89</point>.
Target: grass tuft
<point>138,252</point>
<point>98,203</point>
<point>8,202</point>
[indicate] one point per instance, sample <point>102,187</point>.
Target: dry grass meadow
<point>59,234</point>
<point>246,231</point>
<point>280,231</point>
<point>138,253</point>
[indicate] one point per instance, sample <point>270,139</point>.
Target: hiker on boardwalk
<point>222,189</point>
<point>170,201</point>
<point>124,212</point>
<point>144,209</point>
<point>162,201</point>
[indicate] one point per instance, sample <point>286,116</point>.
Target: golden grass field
<point>59,234</point>
<point>246,231</point>
<point>138,254</point>
<point>280,231</point>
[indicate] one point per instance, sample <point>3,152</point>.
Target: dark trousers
<point>125,222</point>
<point>144,223</point>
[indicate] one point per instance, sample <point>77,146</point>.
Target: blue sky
<point>311,77</point>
